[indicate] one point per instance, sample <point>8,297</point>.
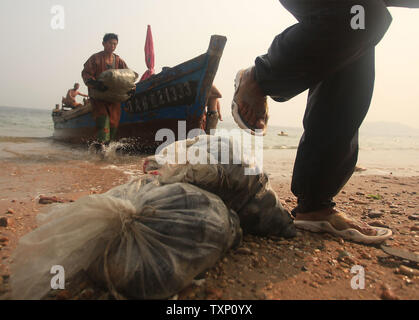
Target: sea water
<point>26,136</point>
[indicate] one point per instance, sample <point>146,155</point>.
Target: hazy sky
<point>39,64</point>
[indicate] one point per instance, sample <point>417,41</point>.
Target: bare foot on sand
<point>335,222</point>
<point>249,107</point>
<point>338,220</point>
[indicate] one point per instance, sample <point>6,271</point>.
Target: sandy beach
<point>309,266</point>
<point>326,78</point>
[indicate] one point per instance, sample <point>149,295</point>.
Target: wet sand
<point>310,266</point>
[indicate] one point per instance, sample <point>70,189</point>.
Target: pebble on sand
<point>54,199</point>
<point>375,214</point>
<point>395,212</point>
<point>387,293</point>
<point>408,271</point>
<point>379,224</point>
<point>47,200</point>
<point>64,295</point>
<point>213,293</point>
<point>4,222</point>
<point>87,294</point>
<point>244,250</point>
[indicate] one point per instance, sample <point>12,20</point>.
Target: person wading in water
<point>106,114</point>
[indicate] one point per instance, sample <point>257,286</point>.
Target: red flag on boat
<point>149,55</point>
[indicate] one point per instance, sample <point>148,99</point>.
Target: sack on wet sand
<point>242,185</point>
<point>119,83</point>
<point>141,240</point>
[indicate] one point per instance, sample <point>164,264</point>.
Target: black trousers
<point>324,54</point>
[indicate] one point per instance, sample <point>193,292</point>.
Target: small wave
<point>280,147</point>
<point>117,152</point>
<point>407,148</point>
<point>22,139</point>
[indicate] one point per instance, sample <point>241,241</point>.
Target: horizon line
<point>232,122</point>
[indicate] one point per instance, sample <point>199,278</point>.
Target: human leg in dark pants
<point>324,54</point>
<point>320,44</point>
<point>328,150</point>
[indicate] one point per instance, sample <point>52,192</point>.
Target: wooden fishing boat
<point>176,94</point>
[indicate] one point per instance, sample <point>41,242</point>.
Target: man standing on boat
<point>106,114</point>
<point>70,99</point>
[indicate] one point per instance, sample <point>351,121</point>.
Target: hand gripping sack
<point>141,240</point>
<point>250,195</point>
<point>119,83</point>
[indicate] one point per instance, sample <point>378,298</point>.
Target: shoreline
<point>305,267</point>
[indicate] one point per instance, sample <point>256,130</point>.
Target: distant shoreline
<point>381,126</point>
<point>27,108</point>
